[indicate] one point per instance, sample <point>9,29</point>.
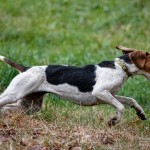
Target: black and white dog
<point>86,86</point>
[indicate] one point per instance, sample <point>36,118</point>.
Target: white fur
<point>2,57</point>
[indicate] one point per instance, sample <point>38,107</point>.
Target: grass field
<point>75,33</point>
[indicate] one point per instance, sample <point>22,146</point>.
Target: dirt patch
<point>22,132</point>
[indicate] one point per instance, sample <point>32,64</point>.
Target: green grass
<point>75,33</point>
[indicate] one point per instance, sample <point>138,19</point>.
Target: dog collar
<point>124,67</point>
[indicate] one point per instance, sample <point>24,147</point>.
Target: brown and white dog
<point>87,86</point>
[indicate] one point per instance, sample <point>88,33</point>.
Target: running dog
<point>86,86</point>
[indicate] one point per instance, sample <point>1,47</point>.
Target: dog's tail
<point>18,67</point>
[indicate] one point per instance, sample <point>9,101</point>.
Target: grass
<point>76,33</point>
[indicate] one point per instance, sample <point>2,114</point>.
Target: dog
<point>86,86</point>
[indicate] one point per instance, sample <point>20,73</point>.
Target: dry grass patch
<point>22,132</point>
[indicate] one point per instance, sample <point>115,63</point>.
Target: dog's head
<point>140,58</point>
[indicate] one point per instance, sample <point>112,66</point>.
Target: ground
<point>19,131</point>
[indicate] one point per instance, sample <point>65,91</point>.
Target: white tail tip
<point>2,57</point>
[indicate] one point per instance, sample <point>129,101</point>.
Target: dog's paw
<point>141,115</point>
<point>113,121</point>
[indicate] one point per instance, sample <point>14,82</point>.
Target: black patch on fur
<point>107,64</point>
<point>126,58</point>
<point>81,77</point>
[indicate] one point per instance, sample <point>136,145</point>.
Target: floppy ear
<point>125,50</point>
<point>138,58</point>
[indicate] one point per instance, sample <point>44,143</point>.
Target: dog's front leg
<point>106,97</point>
<point>132,103</point>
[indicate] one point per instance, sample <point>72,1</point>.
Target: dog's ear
<point>125,50</point>
<point>138,58</point>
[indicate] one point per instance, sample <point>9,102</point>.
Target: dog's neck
<point>132,67</point>
<point>123,66</point>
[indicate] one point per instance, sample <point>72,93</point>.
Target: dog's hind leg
<point>29,104</point>
<point>22,85</point>
<point>10,108</point>
<point>132,103</point>
<point>32,102</point>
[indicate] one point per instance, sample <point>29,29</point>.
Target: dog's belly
<point>71,93</point>
<point>83,99</point>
